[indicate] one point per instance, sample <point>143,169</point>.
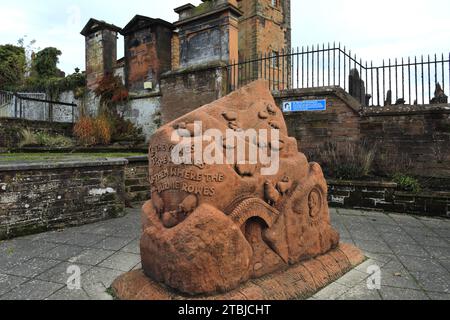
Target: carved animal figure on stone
<point>230,116</point>
<point>188,205</point>
<point>271,110</point>
<point>271,194</point>
<point>170,219</point>
<point>284,185</point>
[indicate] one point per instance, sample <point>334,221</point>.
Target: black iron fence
<point>417,80</point>
<point>35,106</point>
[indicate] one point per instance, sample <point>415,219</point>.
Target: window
<point>275,59</point>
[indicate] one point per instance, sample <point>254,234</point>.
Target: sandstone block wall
<point>49,196</point>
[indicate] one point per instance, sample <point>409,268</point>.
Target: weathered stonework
<point>264,28</point>
<point>187,89</point>
<point>384,196</point>
<point>210,228</point>
<point>101,50</point>
<point>147,52</point>
<point>340,122</point>
<point>208,32</point>
<point>419,135</point>
<point>137,179</point>
<point>38,197</point>
<point>301,281</point>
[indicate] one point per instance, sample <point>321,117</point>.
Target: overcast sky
<point>371,29</point>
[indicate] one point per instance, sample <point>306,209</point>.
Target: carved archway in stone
<point>254,208</point>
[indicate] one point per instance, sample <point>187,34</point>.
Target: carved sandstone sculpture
<point>210,228</point>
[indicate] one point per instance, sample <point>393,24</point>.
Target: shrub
<point>53,141</point>
<point>92,131</point>
<point>407,183</point>
<point>390,163</point>
<point>346,160</point>
<point>124,130</point>
<point>28,138</point>
<point>84,131</point>
<point>102,130</point>
<point>44,139</point>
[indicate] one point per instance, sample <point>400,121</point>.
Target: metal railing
<point>416,80</point>
<point>35,106</point>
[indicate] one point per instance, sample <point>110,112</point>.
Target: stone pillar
<point>208,42</point>
<point>208,33</point>
<point>101,50</point>
<point>147,52</point>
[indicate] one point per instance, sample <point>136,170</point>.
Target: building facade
<point>264,28</point>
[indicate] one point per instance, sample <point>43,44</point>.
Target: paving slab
<point>114,243</point>
<point>65,294</point>
<point>63,252</point>
<point>433,282</point>
<point>360,292</point>
<point>389,293</point>
<point>59,273</point>
<point>121,261</point>
<point>412,252</point>
<point>92,257</point>
<point>32,290</point>
<point>33,267</point>
<point>8,282</point>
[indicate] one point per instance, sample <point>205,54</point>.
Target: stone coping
<point>398,110</point>
<point>426,194</point>
<point>374,184</point>
<point>27,166</point>
<point>134,159</point>
<point>300,281</point>
<point>339,92</point>
<point>218,64</point>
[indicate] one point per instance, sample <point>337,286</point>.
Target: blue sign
<point>305,106</point>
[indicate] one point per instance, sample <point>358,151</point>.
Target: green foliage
<point>44,139</point>
<point>54,86</point>
<point>407,183</point>
<point>12,66</point>
<point>45,63</point>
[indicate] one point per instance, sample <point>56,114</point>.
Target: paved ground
<point>412,253</point>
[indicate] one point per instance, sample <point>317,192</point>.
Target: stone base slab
<point>300,281</point>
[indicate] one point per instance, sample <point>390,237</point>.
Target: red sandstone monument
<point>228,231</point>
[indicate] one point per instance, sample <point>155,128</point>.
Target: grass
<point>45,157</point>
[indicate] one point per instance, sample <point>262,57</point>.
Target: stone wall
<point>341,121</point>
<point>417,135</point>
<point>10,130</point>
<point>39,111</point>
<point>415,139</point>
<point>187,89</point>
<point>144,112</point>
<point>385,197</point>
<point>137,179</point>
<point>47,196</point>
